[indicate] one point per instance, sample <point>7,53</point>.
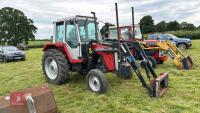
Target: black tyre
<point>182,46</point>
<point>152,61</point>
<point>23,59</point>
<point>5,60</point>
<point>55,66</point>
<point>161,62</point>
<point>96,81</point>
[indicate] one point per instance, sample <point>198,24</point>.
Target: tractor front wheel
<point>55,66</point>
<point>96,81</point>
<point>5,60</point>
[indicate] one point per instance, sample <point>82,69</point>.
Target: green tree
<point>147,24</point>
<point>161,26</point>
<point>173,26</point>
<point>15,27</point>
<point>191,27</point>
<point>104,30</point>
<point>187,26</point>
<point>184,25</point>
<point>198,27</point>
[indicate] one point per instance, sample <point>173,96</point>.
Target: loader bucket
<point>160,85</point>
<point>187,63</point>
<point>38,99</point>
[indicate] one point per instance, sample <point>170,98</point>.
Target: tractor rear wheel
<point>96,81</point>
<point>160,61</point>
<point>55,66</point>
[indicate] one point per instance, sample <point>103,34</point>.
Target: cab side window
<point>59,32</point>
<point>165,37</point>
<point>125,33</point>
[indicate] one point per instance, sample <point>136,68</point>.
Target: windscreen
<point>86,30</point>
<point>10,48</point>
<point>174,37</point>
<point>124,32</point>
<point>113,33</point>
<point>138,33</point>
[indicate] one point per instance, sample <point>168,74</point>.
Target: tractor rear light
<point>163,57</point>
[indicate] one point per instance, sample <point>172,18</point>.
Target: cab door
<point>72,39</point>
<point>66,32</point>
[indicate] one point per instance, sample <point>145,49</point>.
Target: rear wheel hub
<point>51,68</point>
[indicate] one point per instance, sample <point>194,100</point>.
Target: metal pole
<point>95,23</point>
<point>133,22</point>
<point>118,35</point>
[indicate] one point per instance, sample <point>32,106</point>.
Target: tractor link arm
<point>147,64</point>
<point>134,65</point>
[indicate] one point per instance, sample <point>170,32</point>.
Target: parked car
<point>11,53</point>
<point>180,42</point>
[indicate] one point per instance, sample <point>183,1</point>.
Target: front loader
<point>78,47</point>
<point>179,59</point>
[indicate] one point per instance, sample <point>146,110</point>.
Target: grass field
<point>122,96</point>
<point>38,42</point>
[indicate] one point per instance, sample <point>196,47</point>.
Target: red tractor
<point>154,53</point>
<point>78,47</point>
<point>126,33</point>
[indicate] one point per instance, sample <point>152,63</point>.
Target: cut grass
<point>122,96</point>
<point>38,42</point>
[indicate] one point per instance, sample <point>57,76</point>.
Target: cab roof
<point>114,27</point>
<point>76,17</point>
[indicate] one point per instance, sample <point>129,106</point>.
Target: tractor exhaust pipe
<point>117,55</point>
<point>118,34</point>
<point>133,22</point>
<point>95,20</point>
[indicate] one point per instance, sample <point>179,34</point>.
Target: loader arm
<point>158,85</point>
<point>181,61</point>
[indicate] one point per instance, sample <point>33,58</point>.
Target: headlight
<point>22,53</point>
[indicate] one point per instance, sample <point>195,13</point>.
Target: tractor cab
<point>126,33</point>
<point>75,32</point>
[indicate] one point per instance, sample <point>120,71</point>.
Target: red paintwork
<point>62,47</point>
<point>17,99</point>
<point>163,58</point>
<point>108,57</point>
<point>100,46</point>
<point>156,55</point>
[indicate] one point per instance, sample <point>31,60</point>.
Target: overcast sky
<point>43,12</point>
